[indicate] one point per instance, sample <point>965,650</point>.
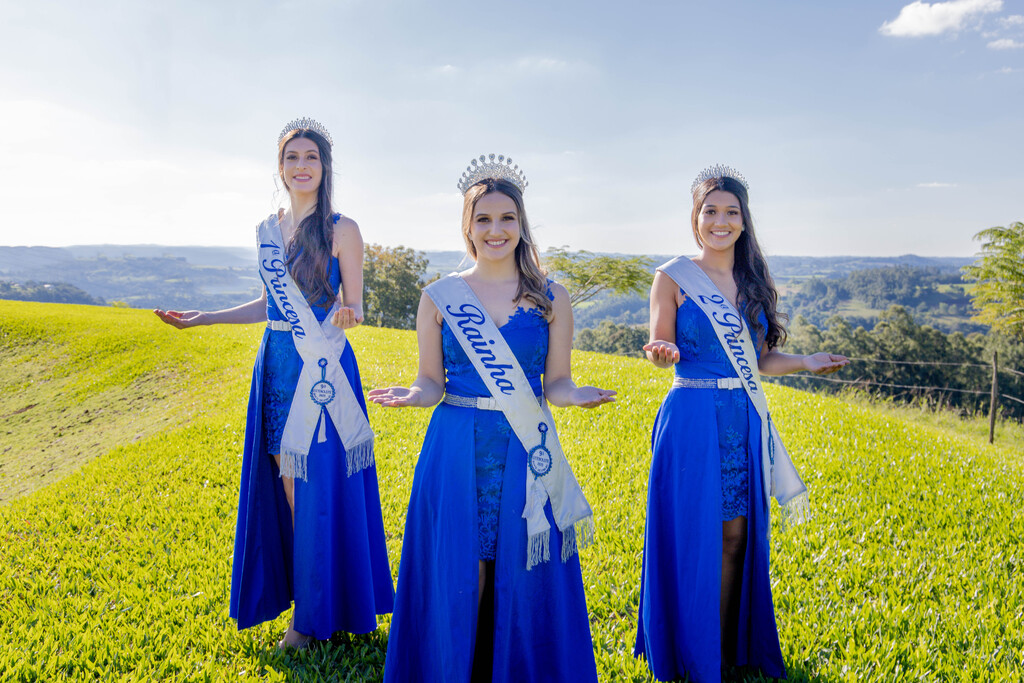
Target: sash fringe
<point>538,549</point>
<point>796,511</point>
<point>577,537</point>
<point>293,464</point>
<point>360,457</point>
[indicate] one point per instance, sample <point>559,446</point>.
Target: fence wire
<point>922,362</point>
<point>863,382</point>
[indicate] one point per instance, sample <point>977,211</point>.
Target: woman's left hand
<point>346,317</point>
<point>590,397</point>
<point>825,363</point>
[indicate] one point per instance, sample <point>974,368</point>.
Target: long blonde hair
<point>533,281</point>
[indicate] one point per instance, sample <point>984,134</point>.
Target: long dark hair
<point>309,251</point>
<point>533,281</point>
<point>757,293</point>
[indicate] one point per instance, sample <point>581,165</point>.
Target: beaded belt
<point>479,402</point>
<point>709,383</point>
<point>279,325</point>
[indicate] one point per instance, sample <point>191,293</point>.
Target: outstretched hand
<point>179,319</point>
<point>346,317</point>
<point>823,363</point>
<point>395,397</point>
<point>662,353</point>
<point>590,397</point>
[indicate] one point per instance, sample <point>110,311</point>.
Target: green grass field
<point>118,523</point>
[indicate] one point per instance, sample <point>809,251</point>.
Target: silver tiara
<point>719,171</point>
<point>492,167</point>
<point>306,123</point>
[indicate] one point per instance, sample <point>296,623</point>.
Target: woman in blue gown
<point>467,608</point>
<point>705,596</point>
<point>317,540</point>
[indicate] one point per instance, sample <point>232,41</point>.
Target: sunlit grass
<point>910,569</point>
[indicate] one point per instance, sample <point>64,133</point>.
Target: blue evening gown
<point>706,468</point>
<point>335,567</point>
<point>466,505</point>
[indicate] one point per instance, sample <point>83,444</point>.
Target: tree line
<point>938,297</point>
<point>947,367</point>
<point>50,292</point>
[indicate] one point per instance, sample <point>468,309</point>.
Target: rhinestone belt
<point>479,402</point>
<point>279,325</point>
<point>709,383</point>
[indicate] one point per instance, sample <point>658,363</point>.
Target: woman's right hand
<point>662,353</point>
<point>180,319</point>
<point>395,397</point>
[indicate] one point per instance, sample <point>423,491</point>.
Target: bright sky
<point>864,128</point>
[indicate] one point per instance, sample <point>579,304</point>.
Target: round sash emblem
<point>322,392</point>
<point>539,458</point>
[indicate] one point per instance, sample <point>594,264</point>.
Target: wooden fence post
<point>994,405</point>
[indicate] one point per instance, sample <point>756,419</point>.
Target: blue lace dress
<point>335,563</point>
<point>467,505</point>
<point>706,468</point>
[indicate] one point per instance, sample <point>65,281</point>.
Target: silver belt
<point>478,402</point>
<point>708,383</point>
<point>279,325</point>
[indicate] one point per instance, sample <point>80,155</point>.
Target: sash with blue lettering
<point>323,391</point>
<point>780,476</point>
<point>548,475</point>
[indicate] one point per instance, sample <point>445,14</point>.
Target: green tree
<point>585,275</point>
<point>609,337</point>
<point>392,280</point>
<point>999,271</point>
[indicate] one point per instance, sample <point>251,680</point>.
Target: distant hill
<point>142,276</point>
<point>149,275</point>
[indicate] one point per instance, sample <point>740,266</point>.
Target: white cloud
<point>1005,44</point>
<point>1012,20</point>
<point>1007,70</point>
<point>936,185</point>
<point>924,19</point>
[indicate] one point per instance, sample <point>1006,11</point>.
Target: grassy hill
<point>121,442</point>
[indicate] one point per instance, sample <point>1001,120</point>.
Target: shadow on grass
<point>796,674</point>
<point>345,657</point>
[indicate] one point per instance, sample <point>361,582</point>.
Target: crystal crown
<point>719,171</point>
<point>495,167</point>
<point>306,123</point>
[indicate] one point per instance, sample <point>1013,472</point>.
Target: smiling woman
<point>479,595</point>
<point>716,457</point>
<point>308,470</point>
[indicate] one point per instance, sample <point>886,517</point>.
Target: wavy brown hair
<point>757,293</point>
<point>533,281</point>
<point>309,251</point>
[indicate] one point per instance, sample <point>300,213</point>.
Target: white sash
<point>323,390</point>
<point>548,475</point>
<point>780,476</point>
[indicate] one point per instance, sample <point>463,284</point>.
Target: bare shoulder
<point>559,294</point>
<point>560,305</point>
<point>429,308</point>
<point>345,225</point>
<point>347,237</point>
<point>661,280</point>
<point>664,288</point>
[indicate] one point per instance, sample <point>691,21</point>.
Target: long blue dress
<point>335,566</point>
<point>541,627</point>
<point>706,468</point>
